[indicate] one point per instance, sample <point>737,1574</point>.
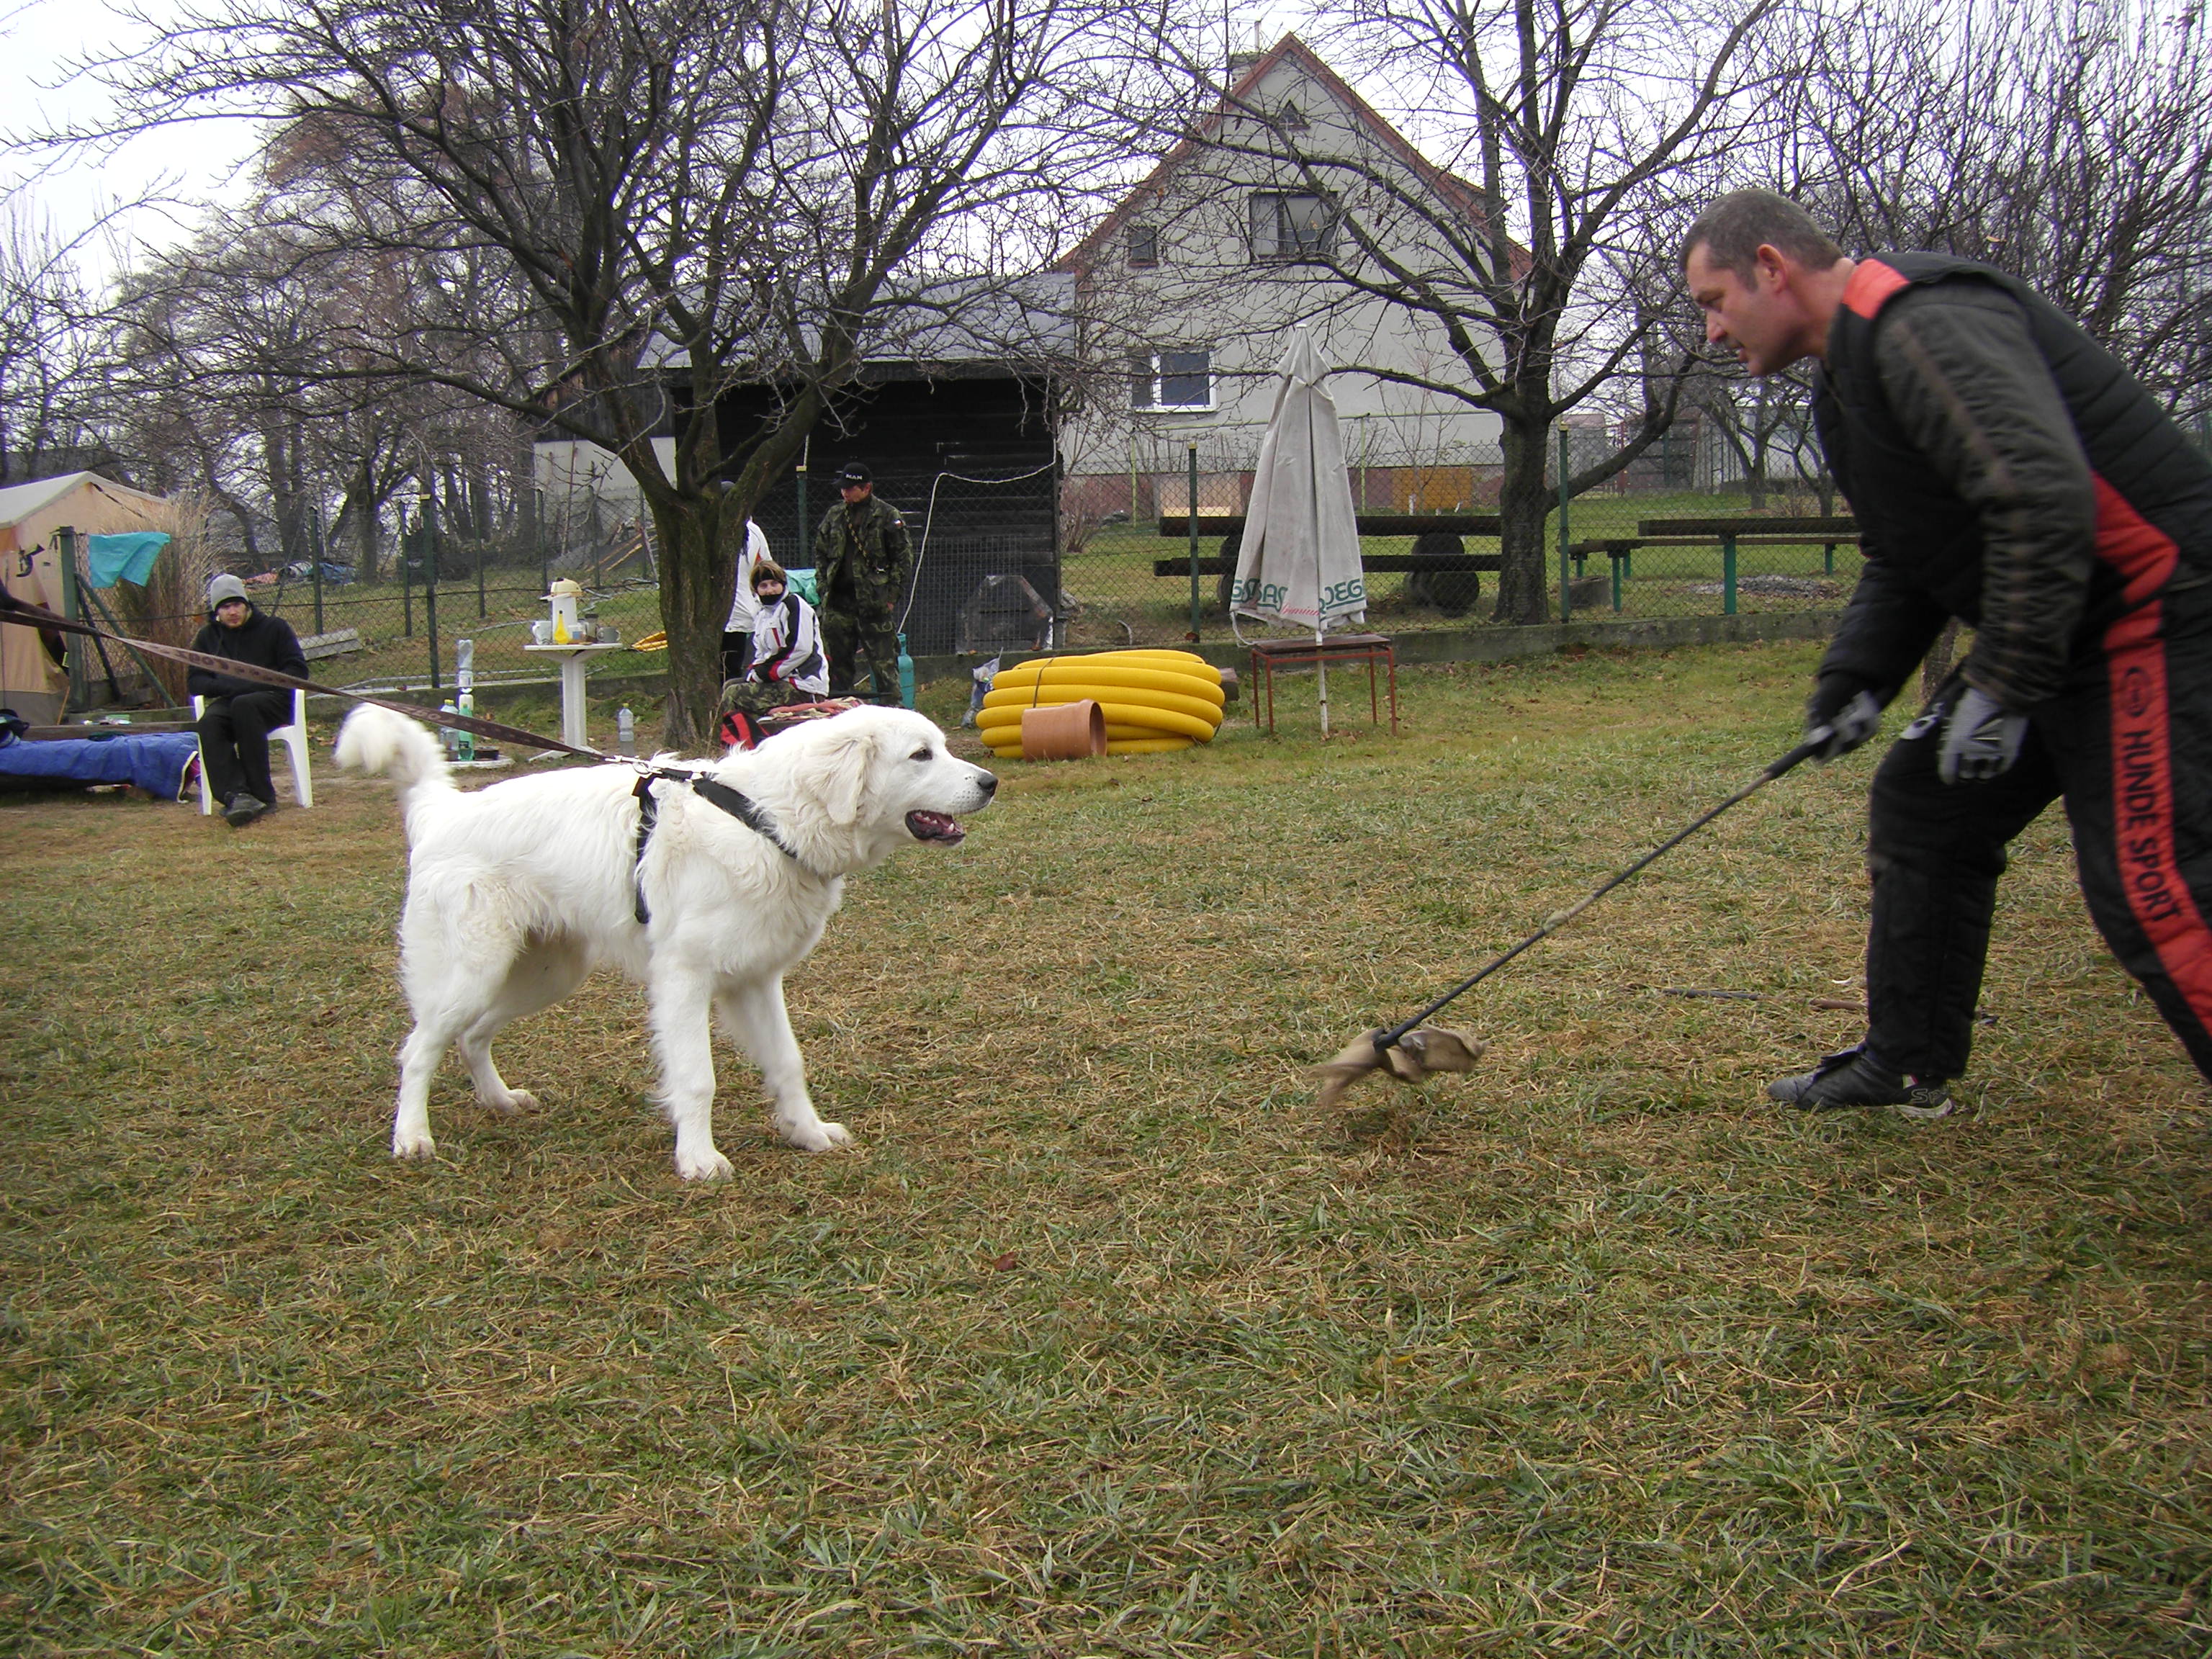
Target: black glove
<point>1845,709</point>
<point>1980,739</point>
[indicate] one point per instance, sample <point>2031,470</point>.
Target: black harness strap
<point>648,814</point>
<point>739,806</point>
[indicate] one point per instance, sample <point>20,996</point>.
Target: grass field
<point>1106,1341</point>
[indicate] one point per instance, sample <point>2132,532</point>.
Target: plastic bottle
<point>625,731</point>
<point>464,680</point>
<point>906,675</point>
<point>449,736</point>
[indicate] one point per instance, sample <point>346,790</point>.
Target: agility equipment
<point>1376,1050</point>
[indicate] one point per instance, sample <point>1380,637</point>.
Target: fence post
<point>315,552</point>
<point>1193,525</point>
<point>1566,578</point>
<point>799,489</point>
<point>430,580</point>
<point>1727,575</point>
<point>73,608</point>
<point>407,578</point>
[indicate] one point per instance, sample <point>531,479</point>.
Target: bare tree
<point>1572,139</point>
<point>609,214</point>
<point>233,383</point>
<point>2069,144</point>
<point>50,364</point>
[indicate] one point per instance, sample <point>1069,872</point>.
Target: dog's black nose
<point>990,784</point>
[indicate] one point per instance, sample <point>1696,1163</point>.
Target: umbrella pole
<point>1321,668</point>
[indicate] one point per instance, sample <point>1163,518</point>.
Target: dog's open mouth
<point>935,826</point>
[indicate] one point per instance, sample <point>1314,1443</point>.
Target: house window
<point>1171,379</point>
<point>1144,245</point>
<point>1292,225</point>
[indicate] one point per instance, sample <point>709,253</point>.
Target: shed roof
<point>19,501</point>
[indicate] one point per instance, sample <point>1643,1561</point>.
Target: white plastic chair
<point>293,737</point>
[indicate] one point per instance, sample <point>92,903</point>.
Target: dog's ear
<point>837,770</point>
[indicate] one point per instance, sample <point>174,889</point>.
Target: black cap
<point>855,473</point>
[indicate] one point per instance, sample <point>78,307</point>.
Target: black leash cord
<point>1804,752</point>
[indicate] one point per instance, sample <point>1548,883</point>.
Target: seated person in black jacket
<point>240,714</point>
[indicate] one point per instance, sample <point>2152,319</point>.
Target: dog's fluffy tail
<point>378,741</point>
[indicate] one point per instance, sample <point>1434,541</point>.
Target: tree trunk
<point>1524,501</point>
<point>356,528</point>
<point>698,573</point>
<point>1937,663</point>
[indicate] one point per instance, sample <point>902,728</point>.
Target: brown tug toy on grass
<point>1412,1053</point>
<point>1413,1058</point>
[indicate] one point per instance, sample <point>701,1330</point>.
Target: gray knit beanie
<point>225,586</point>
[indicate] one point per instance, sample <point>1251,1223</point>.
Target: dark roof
<point>1022,322</point>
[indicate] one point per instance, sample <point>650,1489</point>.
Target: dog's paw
<point>709,1166</point>
<point>414,1149</point>
<point>818,1136</point>
<point>514,1104</point>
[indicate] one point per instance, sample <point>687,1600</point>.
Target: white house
<point>1189,292</point>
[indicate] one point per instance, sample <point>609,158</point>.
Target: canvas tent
<point>31,681</point>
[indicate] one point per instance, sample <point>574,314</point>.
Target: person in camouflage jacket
<point>863,561</point>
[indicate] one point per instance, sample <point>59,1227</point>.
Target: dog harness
<point>739,806</point>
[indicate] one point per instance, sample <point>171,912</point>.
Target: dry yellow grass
<point>1106,1342</point>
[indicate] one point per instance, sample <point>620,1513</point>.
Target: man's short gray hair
<point>1732,230</point>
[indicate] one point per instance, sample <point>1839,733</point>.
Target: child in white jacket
<point>787,666</point>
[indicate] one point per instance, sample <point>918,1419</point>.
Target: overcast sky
<point>38,39</point>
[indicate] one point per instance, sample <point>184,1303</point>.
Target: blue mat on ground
<point>154,761</point>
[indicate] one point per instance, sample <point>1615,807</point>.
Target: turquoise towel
<point>123,558</point>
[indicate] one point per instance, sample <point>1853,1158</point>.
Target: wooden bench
<point>338,642</point>
<point>1732,533</point>
<point>1176,528</point>
<point>1371,524</point>
<point>1223,564</point>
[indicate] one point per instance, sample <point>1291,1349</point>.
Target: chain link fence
<point>1022,558</point>
<point>403,630</point>
<point>1679,531</point>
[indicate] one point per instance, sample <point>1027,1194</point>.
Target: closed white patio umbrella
<point>1299,563</point>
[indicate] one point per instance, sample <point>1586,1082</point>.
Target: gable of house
<point>1190,288</point>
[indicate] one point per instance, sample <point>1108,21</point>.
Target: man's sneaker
<point>1854,1079</point>
<point>243,809</point>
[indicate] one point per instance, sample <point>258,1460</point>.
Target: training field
<point>1106,1341</point>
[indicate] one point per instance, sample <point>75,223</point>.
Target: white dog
<point>516,892</point>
